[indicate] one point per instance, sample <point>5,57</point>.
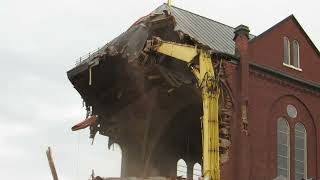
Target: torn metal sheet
<point>129,45</point>
<point>85,123</point>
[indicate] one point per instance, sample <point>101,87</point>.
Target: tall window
<point>298,146</point>
<point>292,62</point>
<point>181,168</point>
<point>283,155</point>
<point>296,54</point>
<point>197,171</point>
<point>300,151</point>
<point>286,51</point>
<point>116,153</point>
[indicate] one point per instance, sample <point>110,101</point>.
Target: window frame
<point>296,49</point>
<point>288,144</point>
<point>305,150</point>
<point>182,169</point>
<point>196,169</point>
<point>291,144</point>
<point>286,51</point>
<point>290,64</point>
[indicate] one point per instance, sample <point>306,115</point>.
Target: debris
<point>85,123</point>
<point>140,93</point>
<point>51,164</point>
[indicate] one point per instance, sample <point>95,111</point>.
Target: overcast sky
<point>41,39</point>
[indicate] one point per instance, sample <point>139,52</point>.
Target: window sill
<point>292,67</point>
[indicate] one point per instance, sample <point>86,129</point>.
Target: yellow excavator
<point>201,64</point>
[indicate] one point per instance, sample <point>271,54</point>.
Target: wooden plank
<point>51,164</point>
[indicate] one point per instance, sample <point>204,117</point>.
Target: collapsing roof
<point>121,78</point>
<point>206,32</point>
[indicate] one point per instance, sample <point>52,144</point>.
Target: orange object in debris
<point>85,123</point>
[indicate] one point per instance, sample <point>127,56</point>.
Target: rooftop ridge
<point>187,11</point>
<point>199,15</point>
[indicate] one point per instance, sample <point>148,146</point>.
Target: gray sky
<point>41,39</point>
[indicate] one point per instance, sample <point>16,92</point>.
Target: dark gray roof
<point>214,34</point>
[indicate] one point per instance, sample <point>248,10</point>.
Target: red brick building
<point>269,117</point>
<point>283,102</point>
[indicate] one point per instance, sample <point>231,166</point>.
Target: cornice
<point>285,81</point>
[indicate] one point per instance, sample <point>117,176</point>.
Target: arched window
<point>283,148</point>
<point>115,147</point>
<point>300,151</point>
<point>197,171</point>
<point>115,152</point>
<point>296,54</point>
<point>181,168</point>
<point>286,51</point>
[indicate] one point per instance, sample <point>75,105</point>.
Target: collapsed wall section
<point>149,104</point>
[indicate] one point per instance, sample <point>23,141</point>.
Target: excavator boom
<point>207,82</point>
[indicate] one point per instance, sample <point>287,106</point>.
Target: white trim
<point>292,67</point>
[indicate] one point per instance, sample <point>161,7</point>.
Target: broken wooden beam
<point>51,164</point>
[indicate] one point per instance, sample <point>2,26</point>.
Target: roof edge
<point>298,25</point>
<point>270,29</point>
<point>305,34</point>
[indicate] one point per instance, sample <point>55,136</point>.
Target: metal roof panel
<point>216,35</point>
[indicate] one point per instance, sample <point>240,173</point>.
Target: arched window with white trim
<point>283,148</point>
<point>115,152</point>
<point>197,171</point>
<point>182,168</point>
<point>300,151</point>
<point>286,51</point>
<point>296,54</point>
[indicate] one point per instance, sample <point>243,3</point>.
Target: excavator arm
<point>208,83</point>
